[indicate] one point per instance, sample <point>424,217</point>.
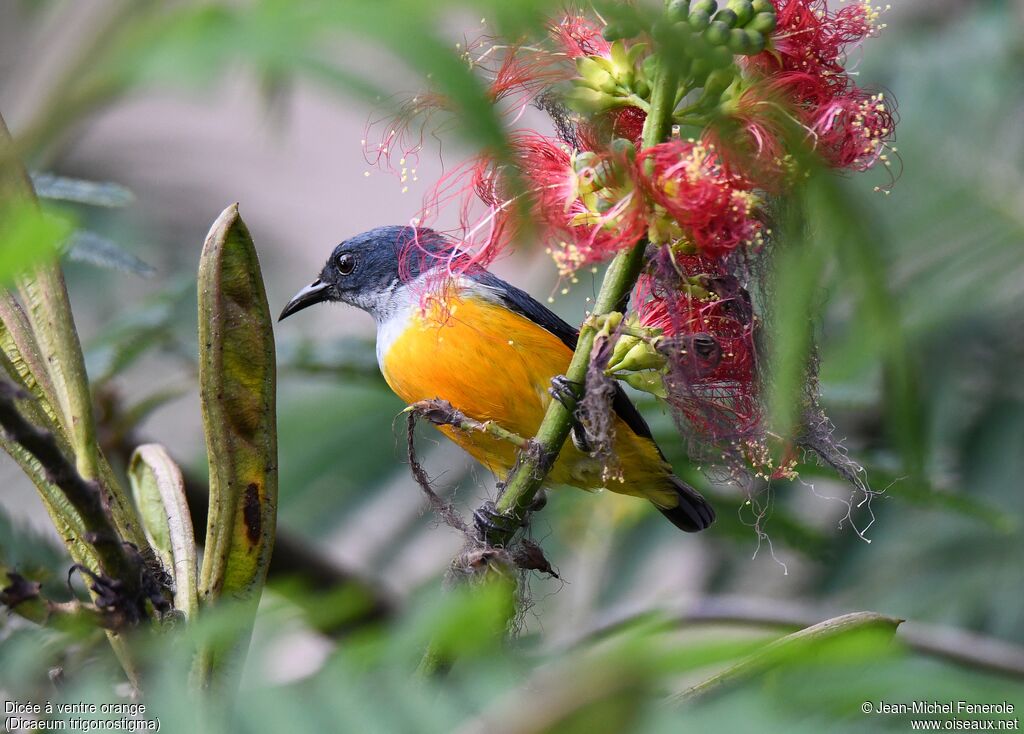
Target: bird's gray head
<point>366,270</point>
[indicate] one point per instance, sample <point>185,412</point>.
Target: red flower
<point>715,210</point>
<point>752,133</point>
<point>587,202</point>
<point>811,39</point>
<point>804,70</point>
<point>854,131</point>
<point>706,321</point>
<point>577,36</point>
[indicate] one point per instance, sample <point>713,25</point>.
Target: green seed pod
<point>744,10</point>
<point>717,33</point>
<point>763,23</point>
<point>746,42</point>
<point>678,10</point>
<point>728,17</point>
<point>238,388</point>
<point>704,6</point>
<point>699,20</point>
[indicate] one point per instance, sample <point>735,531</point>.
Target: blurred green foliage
<point>918,309</point>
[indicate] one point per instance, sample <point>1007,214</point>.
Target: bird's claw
<point>566,392</point>
<point>489,521</point>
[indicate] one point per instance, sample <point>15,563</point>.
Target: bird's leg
<point>566,392</point>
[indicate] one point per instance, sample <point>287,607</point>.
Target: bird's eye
<point>346,263</point>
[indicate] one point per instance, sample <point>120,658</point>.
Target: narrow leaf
<point>88,247</point>
<point>93,193</point>
<point>797,645</point>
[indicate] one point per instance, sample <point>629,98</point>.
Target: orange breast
<point>495,365</point>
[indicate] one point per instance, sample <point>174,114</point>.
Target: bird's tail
<point>691,512</point>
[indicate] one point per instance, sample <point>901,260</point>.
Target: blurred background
<point>269,106</point>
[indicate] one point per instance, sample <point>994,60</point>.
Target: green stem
<point>794,647</point>
<point>529,474</point>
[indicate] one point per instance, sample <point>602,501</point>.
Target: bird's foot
<point>567,392</point>
<point>489,521</point>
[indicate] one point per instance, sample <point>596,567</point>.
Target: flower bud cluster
<point>618,79</point>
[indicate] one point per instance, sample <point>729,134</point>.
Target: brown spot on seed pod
<point>251,513</point>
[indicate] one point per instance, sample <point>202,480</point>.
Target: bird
<point>449,329</point>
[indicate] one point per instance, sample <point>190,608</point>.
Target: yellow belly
<point>495,365</point>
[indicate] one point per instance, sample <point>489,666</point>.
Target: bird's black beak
<point>314,293</point>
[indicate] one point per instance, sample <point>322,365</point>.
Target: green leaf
<point>94,249</point>
<point>93,193</point>
<point>828,638</point>
<point>28,237</point>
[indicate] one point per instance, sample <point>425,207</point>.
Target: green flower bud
<point>649,382</point>
<point>746,42</point>
<point>623,29</point>
<point>641,88</point>
<point>585,99</point>
<point>635,53</point>
<point>650,66</point>
<point>726,16</point>
<point>608,323</point>
<point>583,160</point>
<point>622,347</point>
<point>699,20</point>
<point>763,23</point>
<point>763,6</point>
<point>699,47</point>
<point>744,10</point>
<point>642,356</point>
<point>588,68</point>
<point>707,7</point>
<point>622,64</point>
<point>678,10</point>
<point>717,82</point>
<point>720,57</point>
<point>593,74</point>
<point>717,33</point>
<point>623,147</point>
<point>699,72</point>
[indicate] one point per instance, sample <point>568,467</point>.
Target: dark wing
<point>526,305</point>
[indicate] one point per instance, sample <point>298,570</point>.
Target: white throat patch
<point>396,310</point>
